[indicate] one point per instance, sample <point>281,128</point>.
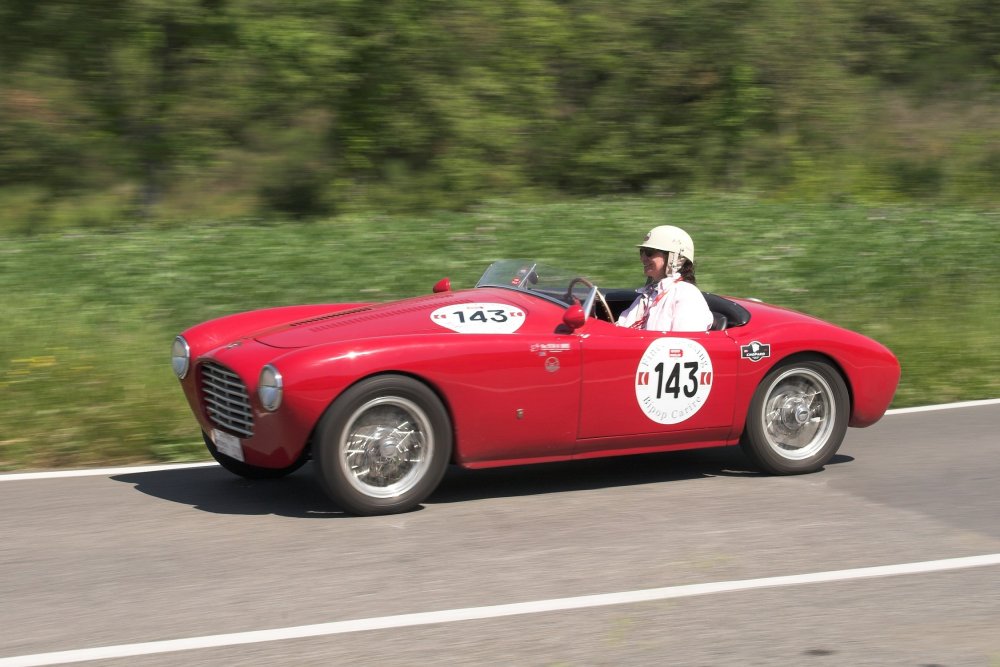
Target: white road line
<point>494,611</point>
<point>945,406</point>
<point>97,472</point>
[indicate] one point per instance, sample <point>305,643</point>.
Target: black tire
<point>383,446</point>
<point>798,417</point>
<point>245,469</point>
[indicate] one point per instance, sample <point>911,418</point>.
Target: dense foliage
<point>89,316</point>
<point>112,109</point>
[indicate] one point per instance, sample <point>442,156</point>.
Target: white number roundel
<point>673,380</point>
<point>494,318</point>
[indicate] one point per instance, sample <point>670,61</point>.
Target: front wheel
<point>383,446</point>
<point>797,419</point>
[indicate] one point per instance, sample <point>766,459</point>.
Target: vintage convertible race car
<point>526,367</point>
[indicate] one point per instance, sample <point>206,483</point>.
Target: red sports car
<point>526,367</point>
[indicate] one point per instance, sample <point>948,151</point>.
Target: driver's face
<point>654,263</point>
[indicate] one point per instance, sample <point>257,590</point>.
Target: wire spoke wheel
<point>799,413</point>
<point>797,418</point>
<point>383,446</point>
<point>386,447</point>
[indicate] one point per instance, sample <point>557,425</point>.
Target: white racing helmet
<point>672,240</point>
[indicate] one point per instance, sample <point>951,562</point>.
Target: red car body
<point>520,379</point>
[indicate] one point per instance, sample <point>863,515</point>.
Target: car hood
<point>406,317</point>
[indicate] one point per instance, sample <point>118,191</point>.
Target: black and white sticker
<point>542,349</point>
<point>755,351</point>
<point>493,318</point>
<point>673,380</point>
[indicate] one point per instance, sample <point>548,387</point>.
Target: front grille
<point>226,399</point>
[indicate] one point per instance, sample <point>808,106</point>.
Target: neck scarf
<point>651,295</point>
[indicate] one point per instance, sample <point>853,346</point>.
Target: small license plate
<point>227,444</point>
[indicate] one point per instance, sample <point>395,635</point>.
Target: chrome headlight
<point>270,388</point>
<point>180,357</point>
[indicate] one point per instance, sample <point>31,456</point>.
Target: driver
<point>670,301</point>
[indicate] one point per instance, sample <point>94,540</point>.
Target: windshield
<point>531,276</point>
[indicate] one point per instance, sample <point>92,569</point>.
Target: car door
<point>658,387</point>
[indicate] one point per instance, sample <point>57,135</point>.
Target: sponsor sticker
<point>493,318</point>
<point>755,351</point>
<point>673,380</point>
<point>542,349</point>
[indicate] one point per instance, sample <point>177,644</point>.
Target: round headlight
<point>180,357</point>
<point>269,388</point>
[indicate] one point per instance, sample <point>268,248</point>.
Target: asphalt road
<point>110,560</point>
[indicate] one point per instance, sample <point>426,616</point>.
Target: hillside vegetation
<point>89,316</point>
<point>115,111</point>
<point>163,163</point>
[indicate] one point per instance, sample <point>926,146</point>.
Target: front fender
<point>505,400</point>
<point>315,376</point>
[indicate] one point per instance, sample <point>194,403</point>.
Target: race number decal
<point>492,318</point>
<point>673,380</point>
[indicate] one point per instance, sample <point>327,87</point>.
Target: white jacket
<point>669,305</point>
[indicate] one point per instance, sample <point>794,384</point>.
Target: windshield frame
<point>533,277</point>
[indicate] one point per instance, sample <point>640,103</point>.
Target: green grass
<point>88,317</point>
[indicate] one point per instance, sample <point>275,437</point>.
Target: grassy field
<point>88,317</point>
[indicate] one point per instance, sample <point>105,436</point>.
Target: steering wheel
<point>610,316</point>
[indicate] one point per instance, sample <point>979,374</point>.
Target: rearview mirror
<point>443,285</point>
<point>575,316</point>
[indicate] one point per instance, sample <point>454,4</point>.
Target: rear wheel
<point>798,417</point>
<point>383,446</point>
<point>245,469</point>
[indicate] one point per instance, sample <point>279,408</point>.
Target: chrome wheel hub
<point>795,412</point>
<point>386,447</point>
<point>799,413</point>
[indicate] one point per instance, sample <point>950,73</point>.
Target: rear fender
<point>869,369</point>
